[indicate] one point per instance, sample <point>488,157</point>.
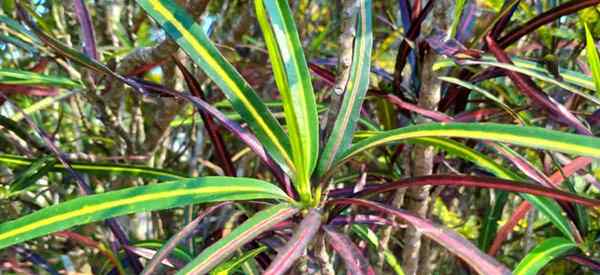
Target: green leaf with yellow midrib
<point>593,58</point>
<point>533,137</point>
<point>241,235</point>
<point>294,82</point>
<point>188,34</point>
<point>542,254</point>
<point>99,207</point>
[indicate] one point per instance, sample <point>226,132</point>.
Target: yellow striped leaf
<point>534,137</point>
<point>294,83</point>
<point>542,254</point>
<point>188,34</point>
<point>99,207</point>
<point>225,247</point>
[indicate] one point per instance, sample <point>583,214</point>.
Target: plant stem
<point>417,198</point>
<point>348,13</point>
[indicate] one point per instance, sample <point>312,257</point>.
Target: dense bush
<point>276,137</point>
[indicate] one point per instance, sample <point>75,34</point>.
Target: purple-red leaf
<point>470,181</point>
<point>543,19</point>
<point>355,261</point>
<point>35,259</point>
<point>503,22</point>
<point>70,53</point>
<point>405,15</point>
<point>404,50</point>
<point>570,169</point>
<point>184,233</point>
<point>437,116</point>
<point>213,131</point>
<point>522,164</point>
<point>477,115</point>
<point>147,253</point>
<point>295,246</point>
<point>83,186</point>
<point>87,30</point>
<point>531,90</point>
<point>361,219</point>
<point>450,47</point>
<point>480,262</point>
<point>517,215</point>
<point>28,90</point>
<point>520,212</point>
<point>586,261</point>
<point>322,73</point>
<point>469,16</point>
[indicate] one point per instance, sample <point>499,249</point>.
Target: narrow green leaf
<point>188,34</point>
<point>489,224</point>
<point>31,174</point>
<point>593,59</point>
<point>582,215</point>
<point>244,233</point>
<point>460,150</point>
<point>546,206</point>
<point>485,93</point>
<point>458,10</point>
<point>530,69</point>
<point>534,137</point>
<point>553,212</point>
<point>177,252</point>
<point>368,235</point>
<point>39,105</point>
<point>550,208</point>
<point>8,6</point>
<point>18,30</point>
<point>232,265</point>
<point>19,43</point>
<point>132,200</point>
<point>102,169</point>
<point>20,77</point>
<point>537,75</point>
<point>542,254</point>
<point>294,83</point>
<point>356,88</point>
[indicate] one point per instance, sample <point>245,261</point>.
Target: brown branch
<point>160,52</point>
